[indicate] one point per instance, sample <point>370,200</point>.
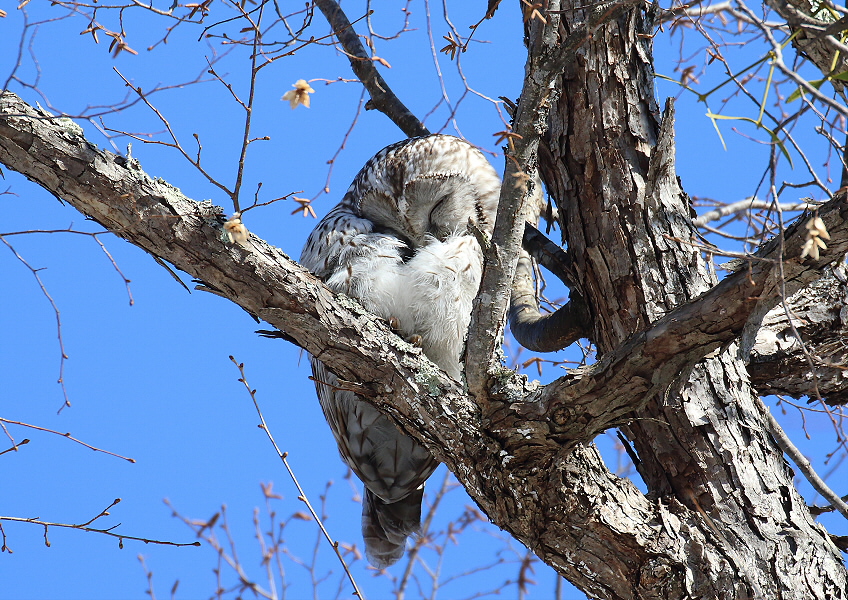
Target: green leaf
<point>774,138</point>
<point>765,94</point>
<point>712,118</point>
<point>816,83</point>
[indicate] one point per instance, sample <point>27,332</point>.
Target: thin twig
<point>424,532</point>
<point>15,446</point>
<point>175,143</point>
<point>748,204</point>
<point>90,234</point>
<point>85,527</point>
<point>66,435</point>
<point>248,108</point>
<point>302,497</point>
<point>63,356</point>
<point>800,460</point>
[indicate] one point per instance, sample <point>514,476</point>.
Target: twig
<point>800,460</point>
<point>85,527</point>
<point>748,204</point>
<point>248,108</point>
<point>777,60</point>
<point>15,446</point>
<point>65,435</point>
<point>332,161</point>
<point>149,575</point>
<point>90,234</point>
<point>424,532</point>
<point>62,356</point>
<point>302,497</point>
<point>175,143</point>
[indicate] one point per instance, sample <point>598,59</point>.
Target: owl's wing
<point>392,465</point>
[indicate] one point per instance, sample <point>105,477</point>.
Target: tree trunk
<point>704,444</point>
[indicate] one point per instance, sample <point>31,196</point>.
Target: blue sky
<point>152,380</point>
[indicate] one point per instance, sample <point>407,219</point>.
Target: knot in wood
<point>560,416</point>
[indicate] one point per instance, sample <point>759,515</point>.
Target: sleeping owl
<point>398,242</point>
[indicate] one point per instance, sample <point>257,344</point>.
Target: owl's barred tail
<point>385,527</point>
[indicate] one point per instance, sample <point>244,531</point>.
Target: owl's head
<point>430,186</point>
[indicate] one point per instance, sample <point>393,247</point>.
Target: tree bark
<point>722,519</point>
<point>780,364</point>
<point>627,224</point>
<point>815,29</point>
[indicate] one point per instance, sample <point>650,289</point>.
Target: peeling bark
<point>701,443</point>
<point>780,364</point>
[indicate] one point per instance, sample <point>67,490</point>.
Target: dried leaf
<point>452,46</point>
<point>300,94</point>
<point>236,231</point>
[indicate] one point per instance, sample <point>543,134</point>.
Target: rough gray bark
<point>549,53</point>
<point>779,364</point>
<point>702,444</point>
<point>722,519</point>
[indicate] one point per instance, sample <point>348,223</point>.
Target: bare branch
<point>813,37</point>
<point>65,435</point>
<point>302,497</point>
<point>778,364</point>
<point>801,461</point>
<point>533,330</point>
<point>62,355</point>
<point>777,60</point>
<point>748,204</point>
<point>86,527</point>
<point>382,97</point>
<point>547,57</point>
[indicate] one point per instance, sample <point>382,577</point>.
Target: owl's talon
<point>394,323</point>
<point>416,340</point>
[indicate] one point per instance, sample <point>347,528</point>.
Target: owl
<point>398,242</point>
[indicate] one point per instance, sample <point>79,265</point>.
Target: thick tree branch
<point>382,96</point>
<point>628,226</point>
<point>780,364</point>
<point>532,329</point>
<point>543,332</point>
<point>116,193</point>
<point>692,331</point>
<point>358,347</point>
<point>647,364</point>
<point>549,255</point>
